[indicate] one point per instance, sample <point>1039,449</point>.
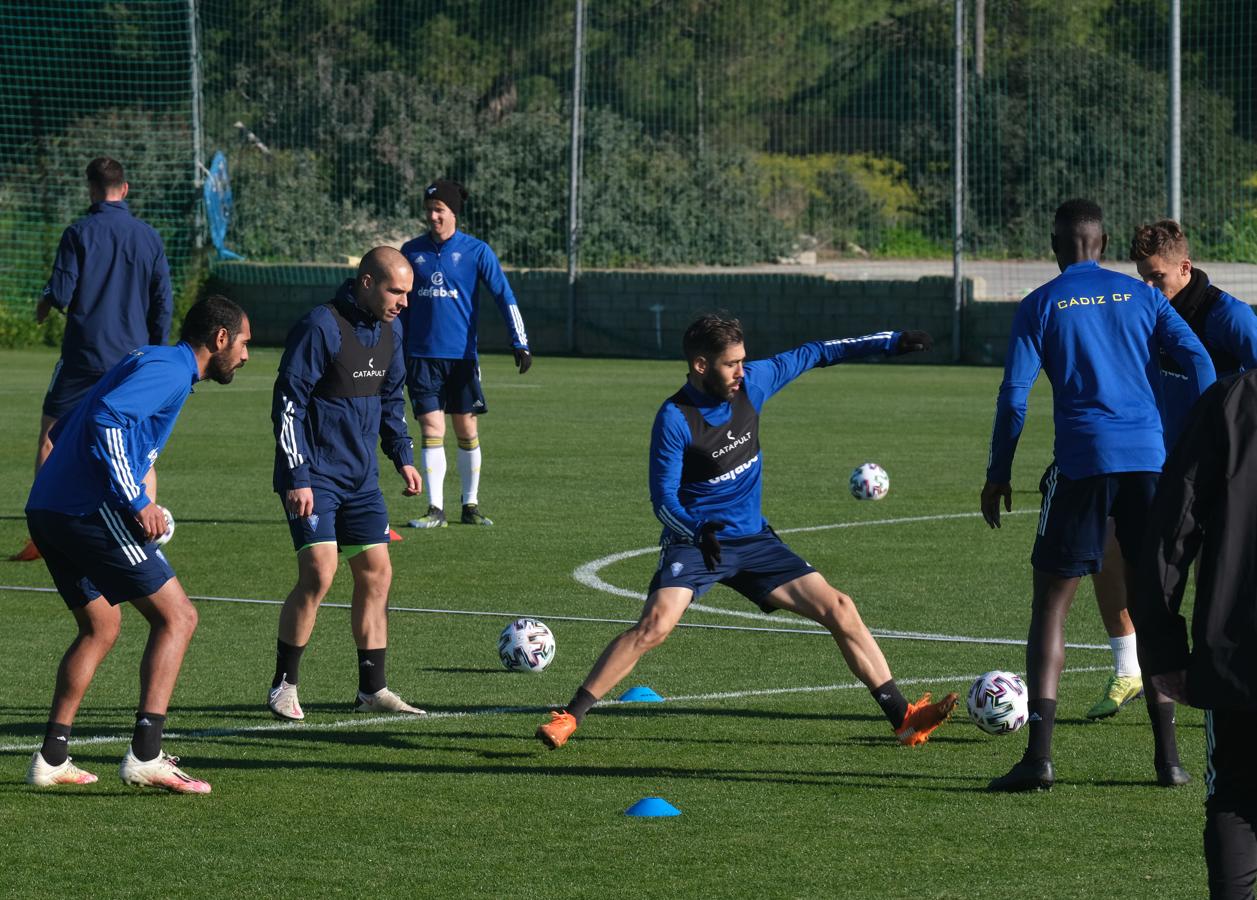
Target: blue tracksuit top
<point>329,442</point>
<point>102,450</point>
<point>684,508</point>
<point>1230,326</point>
<point>440,321</point>
<point>1096,333</point>
<point>112,281</point>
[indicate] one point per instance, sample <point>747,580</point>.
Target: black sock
<point>56,744</point>
<point>894,704</point>
<point>1163,734</point>
<point>371,671</point>
<point>582,700</point>
<point>287,662</point>
<point>146,739</point>
<point>1042,721</point>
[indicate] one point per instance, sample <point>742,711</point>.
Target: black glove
<point>913,342</point>
<point>709,546</point>
<point>523,359</point>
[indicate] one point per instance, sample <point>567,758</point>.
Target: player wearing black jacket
<point>1206,506</point>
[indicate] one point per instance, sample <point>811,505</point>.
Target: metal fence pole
<point>1174,184</point>
<point>573,209</point>
<point>198,148</point>
<point>958,183</point>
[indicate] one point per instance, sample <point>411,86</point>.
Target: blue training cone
<point>652,806</point>
<point>640,694</point>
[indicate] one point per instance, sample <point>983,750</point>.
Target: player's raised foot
<point>433,518</point>
<point>923,717</point>
<point>554,734</point>
<point>41,774</point>
<point>1172,776</point>
<point>385,701</point>
<point>1027,775</point>
<point>1120,690</point>
<point>282,701</point>
<point>473,516</point>
<point>162,772</point>
<point>28,553</point>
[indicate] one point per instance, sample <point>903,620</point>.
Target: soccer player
<point>339,390</point>
<point>1096,333</point>
<point>112,281</point>
<point>1228,329</point>
<point>442,371</point>
<point>1206,506</point>
<point>705,471</point>
<point>92,519</point>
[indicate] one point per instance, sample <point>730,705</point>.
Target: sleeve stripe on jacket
<point>120,464</point>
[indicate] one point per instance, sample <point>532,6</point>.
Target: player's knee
<point>839,613</point>
<point>649,635</point>
<point>103,633</point>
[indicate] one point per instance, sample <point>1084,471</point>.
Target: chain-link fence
<point>712,132</point>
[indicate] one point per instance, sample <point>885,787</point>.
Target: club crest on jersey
<point>456,256</point>
<point>676,569</point>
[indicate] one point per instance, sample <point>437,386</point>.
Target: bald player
<point>340,385</point>
<point>1095,333</point>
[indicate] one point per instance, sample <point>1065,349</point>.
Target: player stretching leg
<point>339,389</point>
<point>705,473</point>
<point>94,524</point>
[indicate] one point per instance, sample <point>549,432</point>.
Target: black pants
<point>1231,803</point>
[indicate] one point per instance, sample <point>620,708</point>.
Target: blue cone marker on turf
<point>652,806</point>
<point>640,694</point>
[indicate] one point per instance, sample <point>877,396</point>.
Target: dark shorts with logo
<point>100,553</point>
<point>70,384</point>
<point>448,385</point>
<point>1073,519</point>
<point>349,520</point>
<point>753,566</point>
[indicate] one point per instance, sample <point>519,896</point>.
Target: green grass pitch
<point>786,774</point>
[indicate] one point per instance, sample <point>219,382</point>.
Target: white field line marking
<point>890,635</point>
<point>362,721</point>
<point>588,575</point>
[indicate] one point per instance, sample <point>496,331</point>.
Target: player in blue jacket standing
<point>1228,329</point>
<point>95,525</point>
<point>112,281</point>
<point>442,368</point>
<point>1096,333</point>
<point>705,484</point>
<point>338,391</point>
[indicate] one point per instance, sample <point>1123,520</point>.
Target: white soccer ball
<point>164,537</point>
<point>526,645</point>
<point>869,481</point>
<point>999,702</point>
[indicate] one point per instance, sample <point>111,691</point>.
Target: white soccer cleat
<point>385,701</point>
<point>40,774</point>
<point>162,772</point>
<point>283,702</point>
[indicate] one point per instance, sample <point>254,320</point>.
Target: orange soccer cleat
<point>923,717</point>
<point>554,734</point>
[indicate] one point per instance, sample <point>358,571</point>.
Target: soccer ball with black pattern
<point>999,702</point>
<point>526,645</point>
<point>869,481</point>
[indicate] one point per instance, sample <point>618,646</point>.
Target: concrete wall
<point>643,314</point>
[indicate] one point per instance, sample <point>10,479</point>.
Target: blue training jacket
<point>441,320</point>
<point>1096,333</point>
<point>684,508</point>
<point>329,442</point>
<point>102,450</point>
<point>112,280</point>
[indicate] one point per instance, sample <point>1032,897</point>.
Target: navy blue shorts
<point>100,553</point>
<point>1073,519</point>
<point>346,519</point>
<point>68,386</point>
<point>753,566</point>
<point>448,385</point>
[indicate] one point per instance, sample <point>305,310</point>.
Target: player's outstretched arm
<point>913,342</point>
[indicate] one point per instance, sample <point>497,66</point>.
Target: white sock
<point>469,469</point>
<point>1125,660</point>
<point>434,474</point>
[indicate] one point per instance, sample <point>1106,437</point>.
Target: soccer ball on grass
<point>869,481</point>
<point>999,702</point>
<point>526,645</point>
